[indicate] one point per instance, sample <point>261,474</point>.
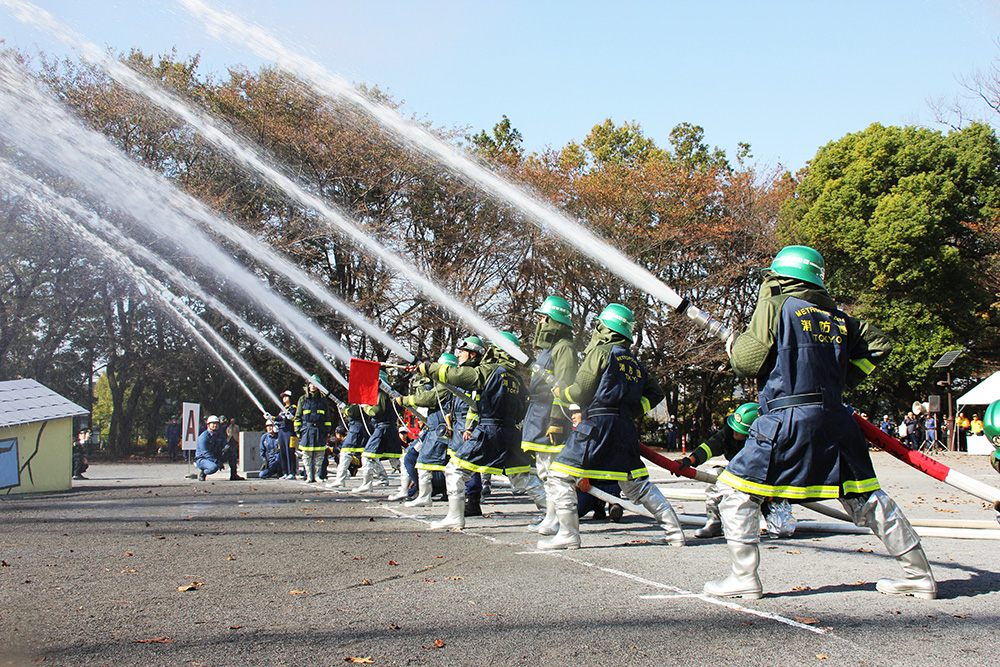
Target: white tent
<point>983,393</point>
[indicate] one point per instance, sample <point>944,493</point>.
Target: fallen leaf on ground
<point>439,643</point>
<point>801,588</point>
<point>365,582</point>
<point>455,578</point>
<point>365,660</point>
<point>789,551</point>
<point>155,640</point>
<point>807,621</point>
<point>821,656</point>
<point>296,592</point>
<point>392,562</point>
<point>863,550</point>
<point>188,587</point>
<point>235,627</point>
<point>393,626</point>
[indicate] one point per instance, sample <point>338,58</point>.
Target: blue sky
<point>787,77</point>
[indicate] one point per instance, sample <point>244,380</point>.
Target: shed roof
<point>27,401</point>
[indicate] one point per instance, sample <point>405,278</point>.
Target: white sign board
<point>190,421</point>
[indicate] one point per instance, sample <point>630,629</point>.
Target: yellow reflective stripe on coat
<point>462,463</point>
<point>612,475</point>
<point>645,405</point>
<point>768,490</point>
<point>370,455</point>
<point>862,486</point>
<point>705,448</point>
<point>539,447</point>
<point>429,466</point>
<point>866,366</point>
<point>443,374</point>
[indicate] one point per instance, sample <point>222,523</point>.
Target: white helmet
<point>212,420</point>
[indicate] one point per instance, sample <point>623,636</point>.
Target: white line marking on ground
<point>678,592</point>
<point>681,593</point>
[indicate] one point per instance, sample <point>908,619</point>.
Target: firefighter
<point>727,441</point>
<point>270,452</point>
<point>384,442</point>
<point>433,455</point>
<point>547,424</point>
<point>613,389</point>
<point>805,445</point>
<point>312,425</point>
<point>212,452</point>
<point>359,429</point>
<point>491,432</point>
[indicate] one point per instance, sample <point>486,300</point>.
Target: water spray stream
<point>151,194</point>
<point>547,218</point>
<point>249,157</point>
<point>44,130</point>
<point>182,313</point>
<point>96,223</point>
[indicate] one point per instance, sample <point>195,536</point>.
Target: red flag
<point>362,388</point>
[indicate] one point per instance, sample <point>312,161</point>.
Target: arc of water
<point>547,218</point>
<point>47,132</point>
<point>241,151</point>
<point>188,319</point>
<point>95,222</point>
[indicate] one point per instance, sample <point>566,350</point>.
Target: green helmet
<point>802,262</point>
<point>618,318</point>
<point>382,375</point>
<point>557,308</point>
<point>991,423</point>
<point>509,336</point>
<point>745,415</point>
<point>448,359</point>
<point>473,344</point>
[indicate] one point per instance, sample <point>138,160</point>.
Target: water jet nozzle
<point>705,321</point>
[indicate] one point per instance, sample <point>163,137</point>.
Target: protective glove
<point>683,462</point>
<point>398,400</point>
<point>555,434</point>
<point>422,368</point>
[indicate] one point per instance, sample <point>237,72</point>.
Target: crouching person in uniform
<point>613,389</point>
<point>270,452</point>
<point>212,451</point>
<point>805,445</point>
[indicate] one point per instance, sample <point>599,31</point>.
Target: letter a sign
<point>190,420</point>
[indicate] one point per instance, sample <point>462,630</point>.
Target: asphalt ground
<point>285,573</point>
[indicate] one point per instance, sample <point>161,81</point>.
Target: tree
<point>896,213</point>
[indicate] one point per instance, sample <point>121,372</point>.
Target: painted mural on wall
<point>10,474</point>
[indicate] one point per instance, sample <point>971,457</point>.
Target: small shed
<point>36,438</point>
